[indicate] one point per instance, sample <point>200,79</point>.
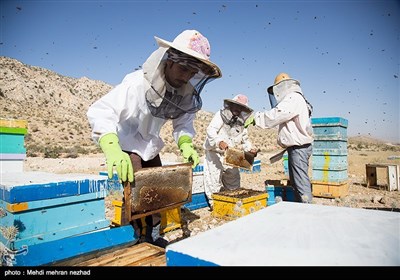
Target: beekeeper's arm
<point>104,116</point>
<point>183,134</point>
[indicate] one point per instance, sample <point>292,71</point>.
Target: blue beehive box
<point>331,147</point>
<point>255,169</point>
<point>330,136</point>
<point>329,175</point>
<point>45,207</point>
<point>12,149</point>
<point>57,216</point>
<point>329,162</point>
<point>329,128</point>
<point>275,189</point>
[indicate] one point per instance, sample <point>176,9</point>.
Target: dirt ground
<point>200,220</point>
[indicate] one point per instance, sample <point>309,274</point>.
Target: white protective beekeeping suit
<point>224,127</point>
<point>137,108</point>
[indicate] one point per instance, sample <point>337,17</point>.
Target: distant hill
<point>55,107</point>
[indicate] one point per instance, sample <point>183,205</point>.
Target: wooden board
<point>143,254</point>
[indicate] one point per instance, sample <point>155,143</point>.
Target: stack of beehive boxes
<point>12,148</point>
<point>51,217</point>
<point>329,157</point>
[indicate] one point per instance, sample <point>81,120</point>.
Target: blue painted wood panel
<point>199,200</point>
<point>329,121</point>
<point>46,203</point>
<point>340,145</point>
<point>329,162</point>
<point>63,249</point>
<point>30,186</point>
<point>175,258</point>
<point>12,143</point>
<point>286,193</point>
<point>329,175</point>
<point>113,184</point>
<point>255,169</point>
<point>332,152</point>
<point>330,133</point>
<point>55,222</point>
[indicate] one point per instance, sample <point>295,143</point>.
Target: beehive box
<point>285,193</point>
<point>46,207</point>
<point>334,147</point>
<point>238,203</point>
<point>48,218</point>
<point>255,168</point>
<point>74,247</point>
<point>199,200</point>
<point>329,162</point>
<point>12,148</point>
<point>330,189</point>
<point>170,219</point>
<point>330,128</point>
<point>329,176</point>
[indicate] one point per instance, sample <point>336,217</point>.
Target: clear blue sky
<point>346,54</point>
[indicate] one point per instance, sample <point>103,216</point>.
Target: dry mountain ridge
<point>55,107</point>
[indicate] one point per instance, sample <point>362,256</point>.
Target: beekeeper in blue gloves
<point>226,130</point>
<point>126,122</point>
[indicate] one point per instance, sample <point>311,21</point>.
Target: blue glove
<point>250,121</point>
<point>188,152</point>
<point>109,143</point>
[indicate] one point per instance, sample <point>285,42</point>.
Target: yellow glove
<point>109,143</point>
<point>250,121</point>
<point>188,152</point>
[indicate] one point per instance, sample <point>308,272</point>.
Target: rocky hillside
<point>55,107</point>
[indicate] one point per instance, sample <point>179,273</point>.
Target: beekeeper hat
<point>242,101</point>
<point>279,78</point>
<point>193,43</point>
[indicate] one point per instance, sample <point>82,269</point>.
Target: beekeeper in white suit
<point>226,130</point>
<point>127,121</point>
<point>291,112</point>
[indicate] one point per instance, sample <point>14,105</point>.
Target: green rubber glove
<point>188,152</point>
<point>109,143</point>
<point>250,121</point>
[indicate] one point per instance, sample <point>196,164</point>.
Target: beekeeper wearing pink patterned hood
<point>126,122</point>
<point>226,130</point>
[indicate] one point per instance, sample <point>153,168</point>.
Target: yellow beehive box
<point>13,123</point>
<point>117,212</point>
<point>170,219</point>
<point>330,189</point>
<point>238,203</point>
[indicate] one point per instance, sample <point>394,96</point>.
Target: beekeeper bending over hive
<point>226,130</point>
<point>127,121</point>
